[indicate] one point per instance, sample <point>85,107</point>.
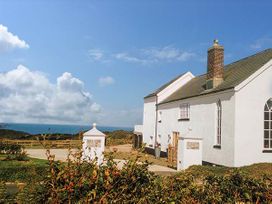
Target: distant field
<point>117,137</point>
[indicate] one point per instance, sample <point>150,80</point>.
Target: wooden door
<point>172,149</point>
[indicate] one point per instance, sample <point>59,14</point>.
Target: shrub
<point>13,151</point>
<point>80,181</point>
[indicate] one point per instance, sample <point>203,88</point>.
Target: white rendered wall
<point>189,152</point>
<point>149,121</point>
<point>90,153</point>
<point>149,118</point>
<point>202,124</point>
<point>249,128</point>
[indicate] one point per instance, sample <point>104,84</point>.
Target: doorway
<point>172,149</point>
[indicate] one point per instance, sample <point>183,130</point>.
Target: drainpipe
<point>156,122</point>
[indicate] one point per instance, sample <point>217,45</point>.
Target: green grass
<point>22,171</point>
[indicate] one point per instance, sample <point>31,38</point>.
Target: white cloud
<point>168,53</point>
<point>28,96</point>
<point>9,41</point>
<point>261,43</point>
<point>155,55</point>
<point>95,54</point>
<point>126,57</point>
<point>106,81</point>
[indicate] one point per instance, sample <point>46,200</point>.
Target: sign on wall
<point>192,145</point>
<point>93,143</point>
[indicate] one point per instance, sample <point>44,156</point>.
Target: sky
<point>79,62</point>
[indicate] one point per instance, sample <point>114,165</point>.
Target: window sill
<point>267,151</point>
<point>217,146</point>
<point>183,119</point>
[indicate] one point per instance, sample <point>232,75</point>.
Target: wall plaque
<point>93,143</point>
<point>192,145</point>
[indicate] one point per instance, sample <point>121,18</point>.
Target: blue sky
<point>98,59</point>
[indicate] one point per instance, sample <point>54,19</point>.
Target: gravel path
<point>61,154</point>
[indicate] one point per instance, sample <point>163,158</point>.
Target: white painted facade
<point>189,152</point>
<point>242,120</point>
<point>251,97</point>
<point>93,146</point>
<point>150,106</point>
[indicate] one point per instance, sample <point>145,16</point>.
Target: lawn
<point>22,171</point>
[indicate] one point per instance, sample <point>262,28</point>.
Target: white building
<point>229,108</point>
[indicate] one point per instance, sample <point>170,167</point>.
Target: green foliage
<point>3,192</point>
<point>80,181</point>
<point>236,188</point>
<point>33,193</point>
<point>23,171</point>
<point>13,151</point>
<point>9,148</point>
<point>13,134</point>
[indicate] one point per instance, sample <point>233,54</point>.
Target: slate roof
<point>234,74</point>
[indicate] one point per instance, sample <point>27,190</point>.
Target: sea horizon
<point>36,128</point>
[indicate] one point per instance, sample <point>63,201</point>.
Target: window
<point>268,124</point>
<point>184,113</point>
<point>219,123</point>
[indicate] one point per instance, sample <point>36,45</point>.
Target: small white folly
<point>93,145</point>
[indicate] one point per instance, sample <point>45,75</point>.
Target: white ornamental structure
<point>94,145</point>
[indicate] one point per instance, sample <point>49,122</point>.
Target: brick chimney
<point>215,72</point>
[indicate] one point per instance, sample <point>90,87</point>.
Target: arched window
<point>219,123</point>
<point>268,124</point>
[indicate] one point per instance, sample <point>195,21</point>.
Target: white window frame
<point>184,111</point>
<point>267,125</point>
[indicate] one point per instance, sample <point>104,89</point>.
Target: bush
<point>13,151</point>
<point>236,188</point>
<point>80,181</point>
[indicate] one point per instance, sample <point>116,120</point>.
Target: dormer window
<point>184,111</point>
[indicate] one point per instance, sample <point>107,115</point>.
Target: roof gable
<point>154,93</point>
